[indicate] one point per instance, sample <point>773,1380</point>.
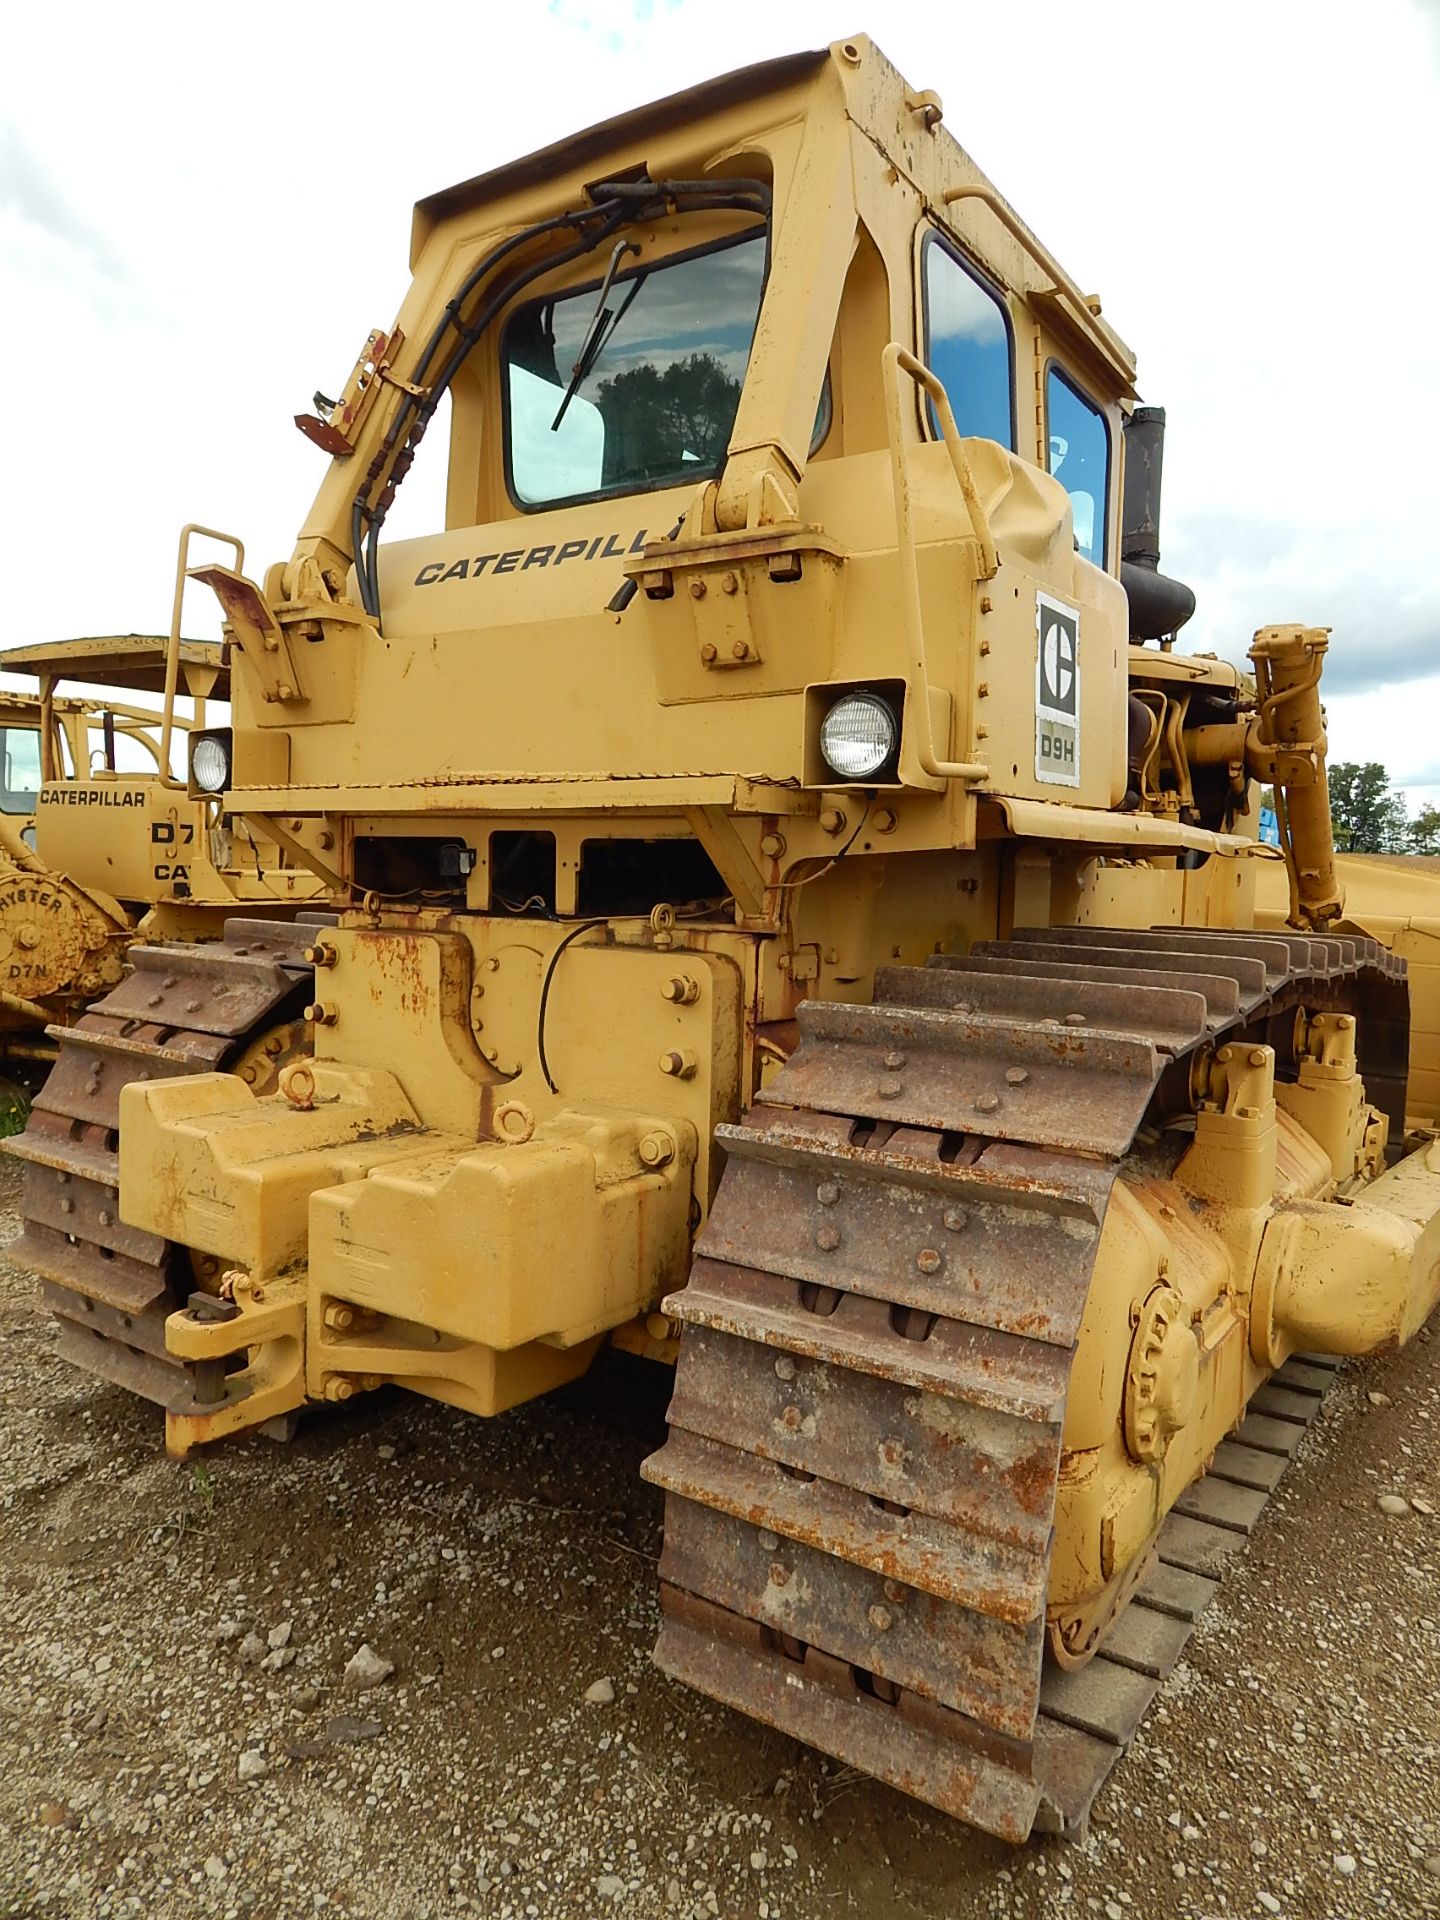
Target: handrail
<point>894,360</point>
<point>1111,347</point>
<point>172,646</point>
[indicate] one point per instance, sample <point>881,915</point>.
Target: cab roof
<point>580,150</point>
<point>135,661</point>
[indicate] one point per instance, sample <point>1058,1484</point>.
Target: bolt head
<point>827,1193</point>
<point>784,1367</point>
<point>1015,1076</point>
<point>768,1542</point>
<point>956,1219</point>
<point>988,1103</point>
<point>881,1618</point>
<point>779,1574</point>
<point>827,1239</point>
<point>889,1089</point>
<point>657,1150</point>
<point>1075,1020</point>
<point>894,1059</point>
<point>929,1260</point>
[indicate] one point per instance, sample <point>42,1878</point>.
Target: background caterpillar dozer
<point>56,941</point>
<point>794,921</point>
<point>95,843</point>
<point>100,841</point>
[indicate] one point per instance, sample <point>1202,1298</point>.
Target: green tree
<point>1425,831</point>
<point>660,421</point>
<point>1368,817</point>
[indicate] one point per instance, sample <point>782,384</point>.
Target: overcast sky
<point>203,210</point>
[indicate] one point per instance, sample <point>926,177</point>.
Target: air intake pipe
<point>1159,606</point>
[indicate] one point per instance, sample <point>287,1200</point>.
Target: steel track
<point>865,1434</point>
<point>182,1009</point>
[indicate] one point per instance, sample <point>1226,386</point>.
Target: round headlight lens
<point>857,735</point>
<point>210,765</point>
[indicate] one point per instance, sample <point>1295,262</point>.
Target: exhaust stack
<point>1159,606</point>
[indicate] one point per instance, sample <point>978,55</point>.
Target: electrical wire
<point>794,886</point>
<point>585,926</point>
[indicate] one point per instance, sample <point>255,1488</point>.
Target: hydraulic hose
<point>616,203</point>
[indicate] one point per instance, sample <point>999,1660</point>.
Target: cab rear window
<point>1078,450</point>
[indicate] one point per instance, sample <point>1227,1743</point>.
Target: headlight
<point>210,763</point>
<point>858,735</point>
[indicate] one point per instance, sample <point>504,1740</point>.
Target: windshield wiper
<point>599,328</point>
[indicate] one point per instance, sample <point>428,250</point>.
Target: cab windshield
<point>661,352</point>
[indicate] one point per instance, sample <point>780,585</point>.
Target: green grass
<point>14,1108</point>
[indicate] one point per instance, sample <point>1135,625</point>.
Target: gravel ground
<point>179,1740</point>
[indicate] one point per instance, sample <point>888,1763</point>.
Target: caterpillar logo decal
<point>1057,692</point>
<point>91,797</point>
<point>604,546</point>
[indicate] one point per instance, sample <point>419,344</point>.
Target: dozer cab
<point>795,920</point>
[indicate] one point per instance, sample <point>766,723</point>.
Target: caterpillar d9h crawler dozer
<point>795,926</point>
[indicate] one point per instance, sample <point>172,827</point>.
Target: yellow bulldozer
<point>795,919</point>
<point>97,843</point>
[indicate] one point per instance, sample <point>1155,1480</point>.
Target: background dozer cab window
<point>1077,444</point>
<point>968,345</point>
<point>660,383</point>
<point>20,765</point>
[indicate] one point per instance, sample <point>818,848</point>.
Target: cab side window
<point>1078,454</point>
<point>19,769</point>
<point>968,345</point>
